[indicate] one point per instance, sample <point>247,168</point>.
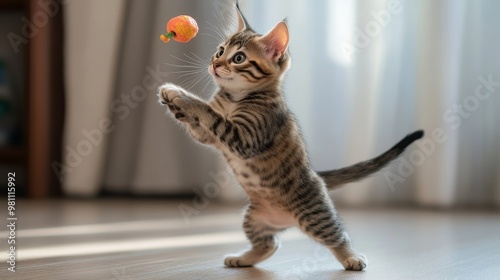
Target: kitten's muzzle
<point>216,65</point>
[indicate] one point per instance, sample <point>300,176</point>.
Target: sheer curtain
<point>366,73</point>
<point>92,36</point>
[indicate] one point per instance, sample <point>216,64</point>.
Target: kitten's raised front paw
<point>168,92</point>
<point>237,261</point>
<point>356,262</point>
<point>172,96</point>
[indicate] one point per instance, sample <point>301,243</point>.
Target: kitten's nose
<point>216,65</point>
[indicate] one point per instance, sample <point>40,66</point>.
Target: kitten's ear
<point>276,41</point>
<point>242,22</point>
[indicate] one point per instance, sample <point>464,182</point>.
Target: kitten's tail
<point>336,178</point>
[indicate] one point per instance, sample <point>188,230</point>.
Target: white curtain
<point>92,37</point>
<point>366,73</point>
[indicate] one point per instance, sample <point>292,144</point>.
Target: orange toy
<point>181,29</point>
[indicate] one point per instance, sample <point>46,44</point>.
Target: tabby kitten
<point>250,123</point>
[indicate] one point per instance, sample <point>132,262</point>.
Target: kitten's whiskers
<point>193,69</point>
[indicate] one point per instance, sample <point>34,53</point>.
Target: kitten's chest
<point>247,177</point>
<point>223,107</point>
<point>243,172</point>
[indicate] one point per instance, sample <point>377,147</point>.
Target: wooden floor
<point>149,239</point>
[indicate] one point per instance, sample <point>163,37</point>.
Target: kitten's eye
<point>239,58</point>
<point>220,52</point>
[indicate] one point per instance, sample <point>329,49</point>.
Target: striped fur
<point>249,122</point>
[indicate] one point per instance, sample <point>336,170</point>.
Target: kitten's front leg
<point>181,103</point>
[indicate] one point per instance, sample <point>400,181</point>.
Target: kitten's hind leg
<point>322,224</point>
<point>350,259</point>
<point>263,239</point>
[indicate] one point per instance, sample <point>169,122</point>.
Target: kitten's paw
<point>252,256</point>
<point>168,92</point>
<point>357,262</point>
<point>171,95</point>
<point>237,261</point>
